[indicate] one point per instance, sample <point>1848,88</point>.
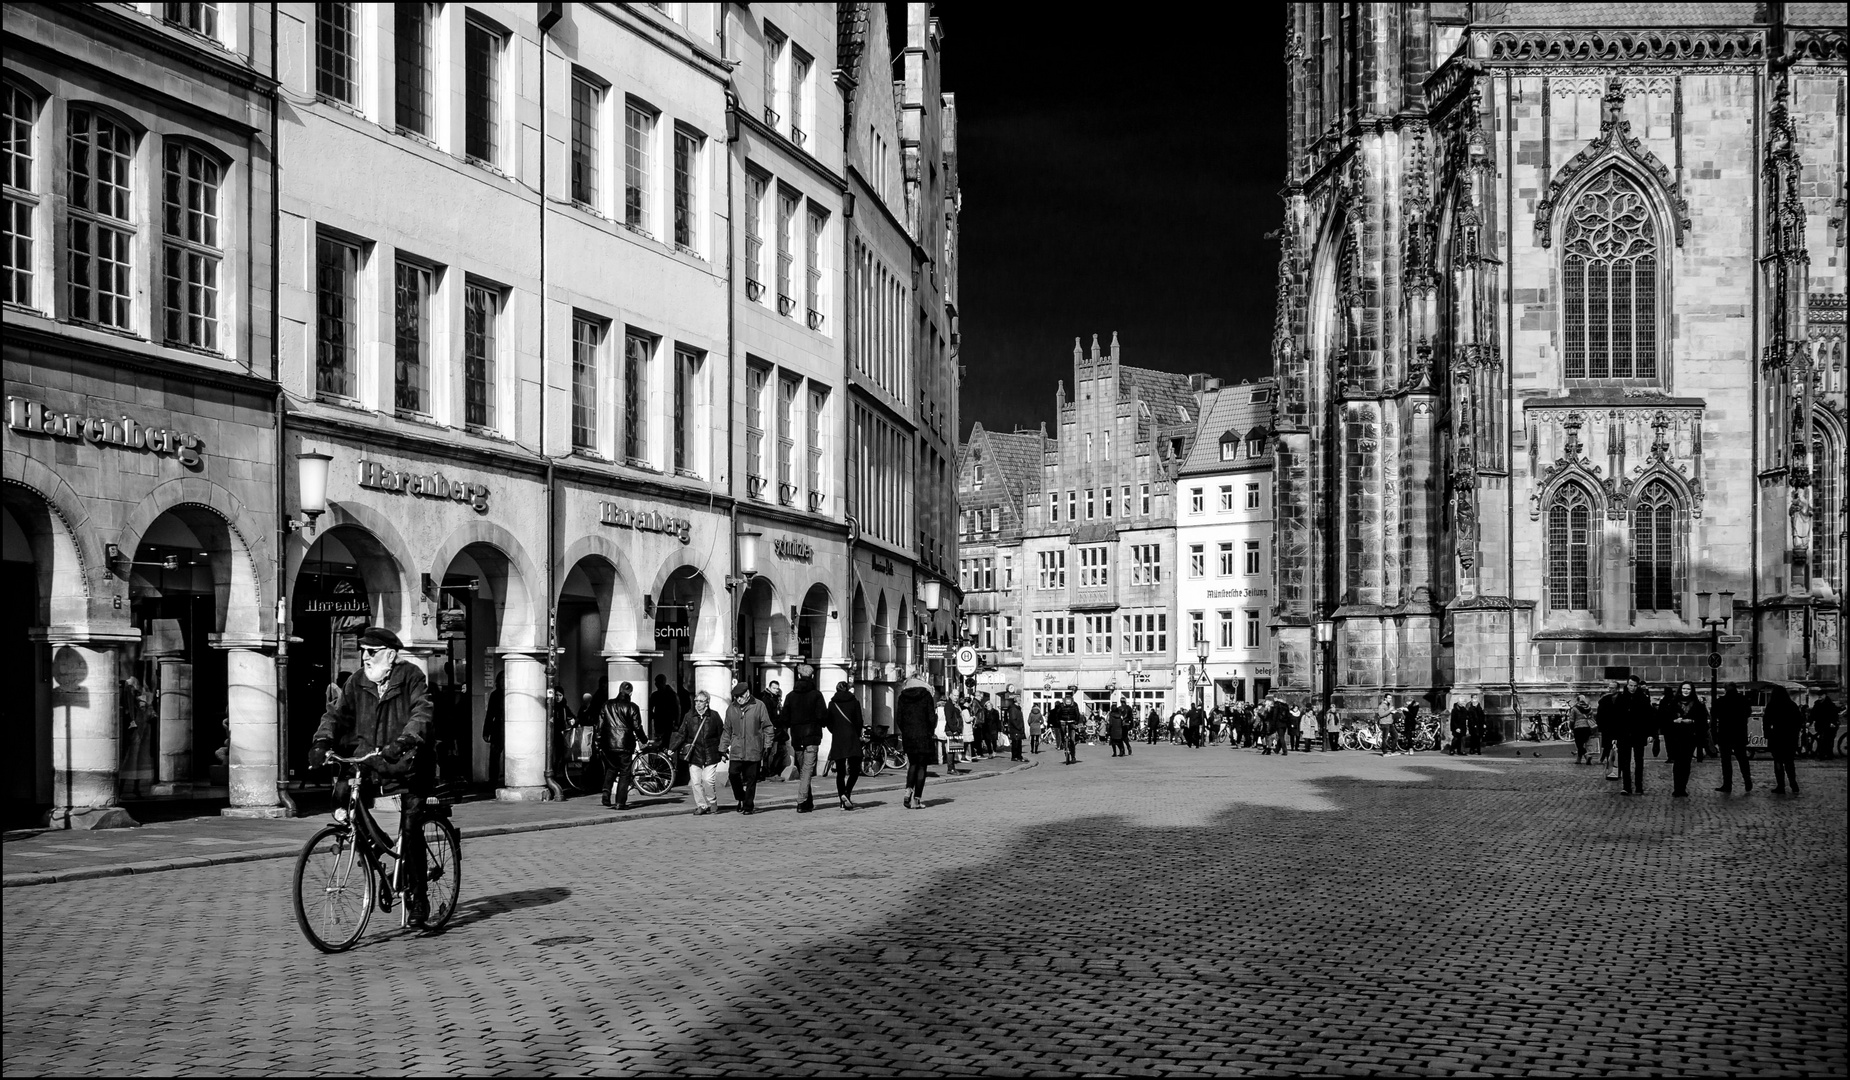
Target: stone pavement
<point>1175,912</point>
<point>41,857</point>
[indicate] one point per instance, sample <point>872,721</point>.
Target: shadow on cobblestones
<point>1408,925</point>
<point>487,907</point>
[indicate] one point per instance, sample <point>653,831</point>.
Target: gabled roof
<point>850,35</point>
<point>1010,456</point>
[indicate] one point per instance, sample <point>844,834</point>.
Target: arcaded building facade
<point>1560,347</point>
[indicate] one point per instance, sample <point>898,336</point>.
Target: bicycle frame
<point>368,838</point>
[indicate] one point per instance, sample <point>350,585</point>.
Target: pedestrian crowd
<point>1681,726</point>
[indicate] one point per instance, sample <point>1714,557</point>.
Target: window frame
<point>22,201</point>
<point>689,176</point>
<point>590,337</point>
<point>586,177</point>
<point>339,380</point>
<point>482,92</point>
<point>1560,587</point>
<point>640,350</point>
<point>339,87</point>
<point>483,302</point>
<point>1197,560</point>
<point>95,223</point>
<point>639,165</point>
<point>422,68</point>
<point>1576,328</point>
<point>420,398</point>
<point>192,307</point>
<point>1657,563</point>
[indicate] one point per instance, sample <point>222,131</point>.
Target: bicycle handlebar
<point>361,760</point>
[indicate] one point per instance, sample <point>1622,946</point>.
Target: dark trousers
<point>495,753</point>
<point>1581,737</point>
<point>743,775</point>
<point>1680,759</point>
<point>616,775</point>
<point>846,773</point>
<point>1015,742</point>
<point>915,773</point>
<point>1783,770</point>
<point>1034,741</point>
<point>1730,755</point>
<point>1631,766</point>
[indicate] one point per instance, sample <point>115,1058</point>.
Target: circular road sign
<point>966,661</point>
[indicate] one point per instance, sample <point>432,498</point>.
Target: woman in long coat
<point>843,718</point>
<point>915,715</point>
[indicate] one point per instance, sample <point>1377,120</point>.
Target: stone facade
<point>1560,347</point>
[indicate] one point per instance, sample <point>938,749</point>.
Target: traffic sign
<point>966,660</point>
<point>1729,639</point>
<point>1715,659</point>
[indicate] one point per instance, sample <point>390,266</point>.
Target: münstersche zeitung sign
<point>379,477</point>
<point>31,418</point>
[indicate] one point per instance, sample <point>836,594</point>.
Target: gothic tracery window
<point>1570,535</point>
<point>1609,283</point>
<point>1827,533</point>
<point>1654,550</point>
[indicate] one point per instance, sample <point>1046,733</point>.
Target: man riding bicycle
<point>386,707</point>
<point>1067,723</point>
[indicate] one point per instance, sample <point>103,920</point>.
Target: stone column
<point>632,668</point>
<point>84,735</point>
<point>173,766</point>
<point>250,701</point>
<point>713,673</point>
<point>524,706</point>
<point>830,671</point>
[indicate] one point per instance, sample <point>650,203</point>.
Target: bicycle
<point>873,755</point>
<point>651,769</point>
<point>339,879</point>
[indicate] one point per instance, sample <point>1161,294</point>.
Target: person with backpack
<point>843,718</point>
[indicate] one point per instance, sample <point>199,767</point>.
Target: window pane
<point>585,100</point>
<point>21,112</point>
<point>481,55</point>
<point>413,66</point>
<point>637,351</point>
<point>686,164</point>
<point>1644,319</point>
<point>812,256</point>
<point>334,52</point>
<point>411,338</point>
<point>586,335</point>
<point>639,136</point>
<point>786,218</point>
<point>1574,315</point>
<point>336,307</point>
<point>479,308</point>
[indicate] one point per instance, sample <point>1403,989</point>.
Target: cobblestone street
<point>1179,911</point>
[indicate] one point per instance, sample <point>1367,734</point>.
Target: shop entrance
<point>345,582</point>
<point>472,601</point>
<point>762,633</point>
<point>25,709</point>
<point>812,625</point>
<point>676,623</point>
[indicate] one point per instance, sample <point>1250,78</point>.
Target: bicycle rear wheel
<point>334,890</point>
<point>442,874</point>
<point>653,773</point>
<point>895,757</point>
<point>873,762</point>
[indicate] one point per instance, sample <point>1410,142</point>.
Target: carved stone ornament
<point>1615,143</point>
<point>1579,46</point>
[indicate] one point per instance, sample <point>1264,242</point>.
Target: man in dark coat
<point>1637,725</point>
<point>1460,721</point>
<point>1731,712</point>
<point>1066,725</point>
<point>1016,726</point>
<point>665,711</point>
<point>619,730</point>
<point>1824,723</point>
<point>1781,722</point>
<point>915,714</point>
<point>1193,724</point>
<point>494,726</point>
<point>1686,727</point>
<point>1474,725</point>
<point>386,707</point>
<point>1606,720</point>
<point>772,763</point>
<point>803,720</point>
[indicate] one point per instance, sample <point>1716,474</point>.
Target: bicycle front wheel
<point>334,890</point>
<point>873,762</point>
<point>895,757</point>
<point>653,773</point>
<point>442,874</point>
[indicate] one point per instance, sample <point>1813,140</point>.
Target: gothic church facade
<point>1560,348</point>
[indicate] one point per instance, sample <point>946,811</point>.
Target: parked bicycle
<point>651,769</point>
<point>340,875</point>
<point>873,755</point>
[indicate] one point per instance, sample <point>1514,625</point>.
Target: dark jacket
<point>1120,722</point>
<point>619,726</point>
<point>1637,718</point>
<point>1606,715</point>
<point>1015,726</point>
<point>1731,712</point>
<point>494,719</point>
<point>1461,718</point>
<point>366,718</point>
<point>1781,722</point>
<point>843,717</point>
<point>1066,714</point>
<point>803,714</point>
<point>1683,729</point>
<point>916,717</point>
<point>700,735</point>
<point>664,708</point>
<point>749,731</point>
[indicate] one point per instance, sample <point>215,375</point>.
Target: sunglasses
<point>373,650</point>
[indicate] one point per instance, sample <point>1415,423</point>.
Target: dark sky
<point>1119,173</point>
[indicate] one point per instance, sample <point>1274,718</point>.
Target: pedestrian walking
<point>1475,723</point>
<point>1781,722</point>
<point>843,718</point>
<point>1193,725</point>
<point>748,733</point>
<point>1460,722</point>
<point>1686,727</point>
<point>1606,720</point>
<point>1637,725</point>
<point>665,710</point>
<point>1035,725</point>
<point>771,763</point>
<point>803,723</point>
<point>1581,715</point>
<point>1017,728</point>
<point>916,717</point>
<point>1732,710</point>
<point>1409,726</point>
<point>698,739</point>
<point>494,727</point>
<point>1824,718</point>
<point>1116,726</point>
<point>1153,723</point>
<point>619,729</point>
<point>949,733</point>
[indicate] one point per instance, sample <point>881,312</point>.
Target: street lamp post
<point>1201,674</point>
<point>1326,640</point>
<point>1723,614</point>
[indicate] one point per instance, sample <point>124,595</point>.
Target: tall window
<point>1143,504</point>
<point>1654,554</point>
<point>22,198</point>
<point>201,19</point>
<point>1225,568</point>
<point>587,337</point>
<point>1252,557</point>
<point>1091,504</point>
<point>786,242</point>
<point>786,440</point>
<point>414,67</point>
<point>638,158</point>
<point>638,351</point>
<point>816,446</point>
<point>774,43</point>
<point>337,324</point>
<point>411,338</point>
<point>1224,628</point>
<point>754,235</point>
<point>481,304</point>
<point>191,253</point>
<point>336,49</point>
<point>1252,628</point>
<point>756,379</point>
<point>686,189</point>
<point>101,237</point>
<point>1609,283</point>
<point>1053,507</point>
<point>686,400</point>
<point>1072,504</point>
<point>481,91</point>
<point>1197,628</point>
<point>1094,566</point>
<point>587,104</point>
<point>800,65</point>
<point>812,262</point>
<point>1827,532</point>
<point>1570,527</point>
<point>1197,560</point>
